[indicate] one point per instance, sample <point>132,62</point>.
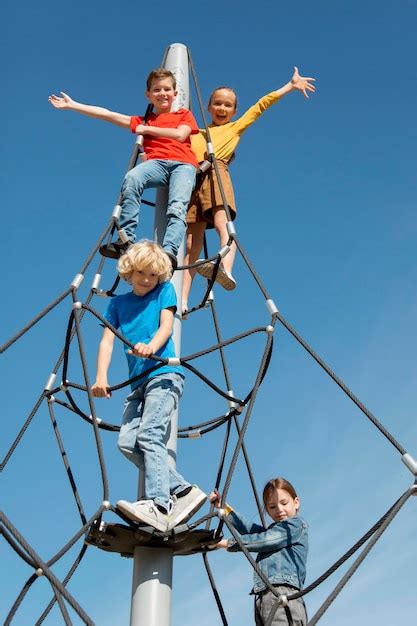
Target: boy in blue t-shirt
<point>145,317</point>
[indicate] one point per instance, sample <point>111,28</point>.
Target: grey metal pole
<point>152,569</point>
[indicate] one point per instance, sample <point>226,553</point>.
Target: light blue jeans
<point>179,177</point>
<point>145,431</point>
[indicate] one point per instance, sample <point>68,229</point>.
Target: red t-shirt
<point>166,148</point>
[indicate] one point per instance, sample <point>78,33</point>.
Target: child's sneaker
<point>145,511</point>
<point>114,249</point>
<point>224,278</point>
<point>185,506</point>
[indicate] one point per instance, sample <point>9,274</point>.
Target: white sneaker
<point>224,278</point>
<point>144,511</point>
<point>186,506</point>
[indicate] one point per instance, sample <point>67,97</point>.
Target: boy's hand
<point>140,129</point>
<point>142,350</point>
<point>101,390</point>
<point>302,83</point>
<point>64,102</point>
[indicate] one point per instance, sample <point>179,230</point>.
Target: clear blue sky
<point>327,212</point>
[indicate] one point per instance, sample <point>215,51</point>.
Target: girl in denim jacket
<point>281,550</point>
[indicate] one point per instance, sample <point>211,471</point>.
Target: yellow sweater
<point>225,138</point>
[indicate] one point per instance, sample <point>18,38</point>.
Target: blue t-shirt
<point>138,319</point>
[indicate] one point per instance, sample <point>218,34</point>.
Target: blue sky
<point>327,212</point>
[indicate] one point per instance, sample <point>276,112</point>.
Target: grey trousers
<point>264,603</point>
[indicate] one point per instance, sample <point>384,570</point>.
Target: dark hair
<point>278,483</point>
<point>223,87</point>
<point>160,72</point>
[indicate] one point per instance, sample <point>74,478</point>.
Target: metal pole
<point>152,569</point>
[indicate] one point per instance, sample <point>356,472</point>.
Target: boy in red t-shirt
<point>169,159</point>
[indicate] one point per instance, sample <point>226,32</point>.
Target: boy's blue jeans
<point>145,432</point>
<point>179,177</point>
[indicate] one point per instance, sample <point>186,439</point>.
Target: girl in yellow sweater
<point>206,206</point>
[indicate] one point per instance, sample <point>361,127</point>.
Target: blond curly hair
<point>145,255</point>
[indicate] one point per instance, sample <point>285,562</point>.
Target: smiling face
<point>161,94</point>
<point>143,281</point>
<point>222,106</point>
<point>280,505</point>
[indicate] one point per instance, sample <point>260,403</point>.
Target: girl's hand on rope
<point>63,102</point>
<point>101,390</point>
<point>302,83</point>
<point>215,499</point>
<point>142,350</point>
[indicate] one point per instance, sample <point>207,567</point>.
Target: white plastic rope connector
<point>106,505</point>
<point>195,435</point>
<point>269,329</point>
<point>283,600</point>
<point>223,251</point>
<point>51,382</point>
<point>210,149</point>
<point>232,403</point>
<point>409,462</point>
<point>96,282</point>
<point>122,236</point>
<point>77,305</point>
<point>231,230</point>
<point>271,306</point>
<point>78,279</point>
<point>116,211</point>
<point>39,571</point>
<point>174,360</point>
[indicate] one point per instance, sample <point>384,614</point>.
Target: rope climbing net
<point>196,537</point>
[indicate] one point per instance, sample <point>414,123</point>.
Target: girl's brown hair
<point>278,483</point>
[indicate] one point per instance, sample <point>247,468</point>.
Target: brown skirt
<point>206,196</point>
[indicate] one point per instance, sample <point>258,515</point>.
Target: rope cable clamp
<point>39,571</point>
<point>210,298</point>
<point>106,505</point>
<point>51,382</point>
<point>77,305</point>
<point>210,149</point>
<point>283,600</point>
<point>232,403</point>
<point>269,329</point>
<point>78,279</point>
<point>409,462</point>
<point>231,230</point>
<point>223,251</point>
<point>63,387</point>
<point>195,435</point>
<point>271,306</point>
<point>174,360</point>
<point>96,282</point>
<point>116,211</point>
<point>122,235</point>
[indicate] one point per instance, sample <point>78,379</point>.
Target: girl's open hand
<point>63,102</point>
<point>302,83</point>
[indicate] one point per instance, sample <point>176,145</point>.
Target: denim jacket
<point>281,549</point>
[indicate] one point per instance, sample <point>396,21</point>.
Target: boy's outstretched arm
<point>160,338</point>
<point>297,82</point>
<point>100,389</point>
<point>66,102</point>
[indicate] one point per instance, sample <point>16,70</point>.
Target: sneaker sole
<point>207,270</point>
<point>189,511</point>
<point>127,510</point>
